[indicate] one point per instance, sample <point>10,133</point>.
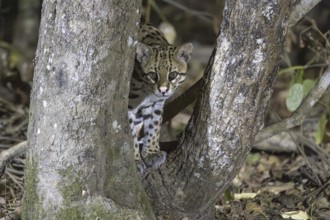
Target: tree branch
<point>205,16</point>
<point>301,10</point>
<point>182,101</point>
<point>299,115</point>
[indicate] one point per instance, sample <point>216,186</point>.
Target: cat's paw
<point>155,160</point>
<point>141,167</point>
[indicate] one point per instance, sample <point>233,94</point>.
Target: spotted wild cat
<point>159,69</point>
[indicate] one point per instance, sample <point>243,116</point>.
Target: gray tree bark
<point>80,163</point>
<point>81,166</point>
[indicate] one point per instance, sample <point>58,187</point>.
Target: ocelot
<point>159,69</point>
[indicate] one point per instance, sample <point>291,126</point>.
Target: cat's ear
<point>183,52</point>
<point>143,52</point>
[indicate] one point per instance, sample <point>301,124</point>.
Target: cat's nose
<point>163,89</point>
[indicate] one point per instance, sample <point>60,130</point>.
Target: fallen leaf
<point>238,196</point>
<point>253,207</point>
<point>295,215</point>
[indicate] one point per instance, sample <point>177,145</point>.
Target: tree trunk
<point>236,89</point>
<point>80,164</point>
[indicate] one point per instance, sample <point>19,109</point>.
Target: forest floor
<point>278,186</point>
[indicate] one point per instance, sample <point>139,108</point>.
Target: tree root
<point>7,155</point>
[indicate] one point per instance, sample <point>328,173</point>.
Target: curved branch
<point>171,109</point>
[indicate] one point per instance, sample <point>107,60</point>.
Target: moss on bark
<point>30,193</point>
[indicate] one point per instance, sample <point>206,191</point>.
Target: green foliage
<point>308,84</point>
<point>321,127</point>
<point>253,159</point>
<point>295,97</point>
<point>299,88</point>
<point>228,196</point>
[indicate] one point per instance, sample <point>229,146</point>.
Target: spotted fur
<point>159,69</point>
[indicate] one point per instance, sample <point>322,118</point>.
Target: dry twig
<point>205,16</point>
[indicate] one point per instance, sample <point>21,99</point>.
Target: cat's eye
<point>172,75</point>
<point>153,76</point>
